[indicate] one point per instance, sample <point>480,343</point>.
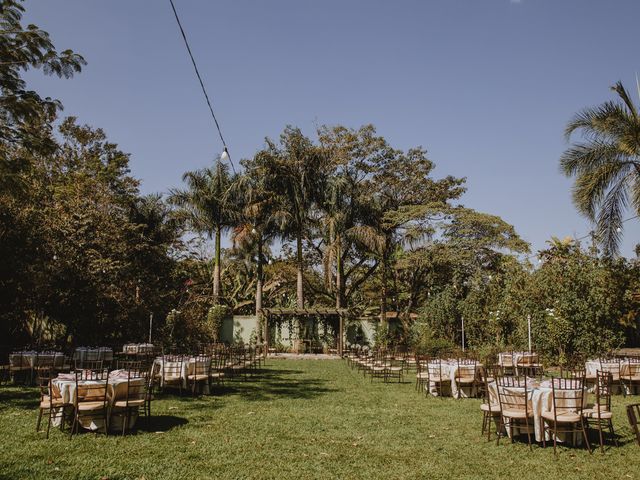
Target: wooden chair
<point>422,374</point>
<point>201,372</point>
<point>90,398</point>
<point>566,415</point>
<point>599,414</point>
<point>51,402</point>
<point>136,397</point>
<point>507,364</point>
<point>466,375</point>
<point>614,366</point>
<point>631,377</point>
<point>633,414</point>
<point>19,367</point>
<point>216,371</point>
<point>435,377</point>
<point>394,368</point>
<point>172,375</point>
<point>490,407</point>
<point>515,410</point>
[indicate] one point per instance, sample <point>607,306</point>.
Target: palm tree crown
<point>606,165</point>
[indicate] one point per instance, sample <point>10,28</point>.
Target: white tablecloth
<point>65,386</point>
<point>93,354</point>
<point>540,400</point>
<point>449,369</point>
<point>137,348</point>
<point>592,366</point>
<point>33,359</point>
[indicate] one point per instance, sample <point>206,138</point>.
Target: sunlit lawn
<point>298,419</point>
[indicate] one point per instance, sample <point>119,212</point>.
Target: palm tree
<point>262,218</point>
<point>606,165</point>
<point>207,207</point>
<point>294,173</point>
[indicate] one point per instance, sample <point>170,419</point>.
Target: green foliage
<point>215,319</point>
<point>426,341</point>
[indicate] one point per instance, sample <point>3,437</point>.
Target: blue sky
<point>486,86</point>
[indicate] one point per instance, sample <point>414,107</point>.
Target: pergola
<point>268,313</point>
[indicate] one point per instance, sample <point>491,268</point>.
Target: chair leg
<point>584,434</point>
<point>49,422</point>
<point>613,435</point>
<point>543,428</point>
<point>600,436</point>
<point>526,421</point>
<point>39,419</point>
<point>555,435</point>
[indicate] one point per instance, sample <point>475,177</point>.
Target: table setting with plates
<point>64,387</point>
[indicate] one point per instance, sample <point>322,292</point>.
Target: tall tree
<point>405,200</point>
<point>263,216</point>
<point>295,171</point>
<point>606,165</point>
<point>206,206</point>
<point>25,116</point>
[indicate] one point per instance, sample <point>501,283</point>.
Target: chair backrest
<point>45,375</point>
<point>527,359</point>
<point>129,365</point>
<point>202,365</point>
<point>467,368</point>
<point>578,372</point>
<point>633,414</point>
<point>633,367</point>
<point>136,385</point>
<point>611,365</point>
<point>81,364</point>
<point>172,366</point>
<point>602,390</point>
<point>568,395</point>
<point>513,393</point>
<point>91,387</point>
<point>506,359</point>
<point>434,367</point>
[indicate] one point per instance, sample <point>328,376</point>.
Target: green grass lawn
<point>298,419</point>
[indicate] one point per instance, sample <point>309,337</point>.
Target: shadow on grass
<point>19,397</point>
<point>159,423</point>
<point>266,385</point>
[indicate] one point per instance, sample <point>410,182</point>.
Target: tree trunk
<point>259,279</point>
<point>339,275</point>
<point>216,269</point>
<point>383,297</point>
<point>300,291</point>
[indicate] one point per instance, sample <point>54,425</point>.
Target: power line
<point>534,255</point>
<point>204,90</point>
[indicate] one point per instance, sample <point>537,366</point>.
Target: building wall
<point>245,328</point>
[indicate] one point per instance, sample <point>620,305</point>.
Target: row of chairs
<point>379,364</point>
<point>195,371</point>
